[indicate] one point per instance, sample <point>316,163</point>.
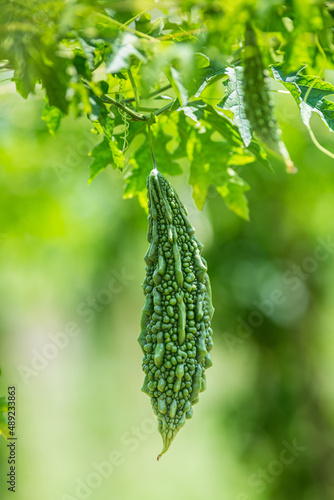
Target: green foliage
<point>271,379</point>
<point>176,321</point>
<point>206,157</point>
<point>168,145</point>
<point>234,101</point>
<point>121,66</point>
<point>103,157</point>
<point>52,117</point>
<point>310,94</point>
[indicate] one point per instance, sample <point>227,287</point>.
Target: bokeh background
<point>63,242</point>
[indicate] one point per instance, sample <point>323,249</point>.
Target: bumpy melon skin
<point>176,334</point>
<point>259,107</point>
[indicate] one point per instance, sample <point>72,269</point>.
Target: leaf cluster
<point>173,66</point>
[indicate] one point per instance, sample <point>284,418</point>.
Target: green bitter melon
<point>259,107</point>
<point>176,334</point>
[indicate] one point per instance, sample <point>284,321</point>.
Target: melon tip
<point>290,167</point>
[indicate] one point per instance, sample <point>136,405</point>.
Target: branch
<point>135,116</point>
<point>165,108</point>
<point>152,94</point>
<point>171,36</point>
<point>126,28</point>
<point>134,88</point>
<point>110,100</point>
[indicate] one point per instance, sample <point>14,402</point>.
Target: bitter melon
<point>259,107</point>
<point>176,334</point>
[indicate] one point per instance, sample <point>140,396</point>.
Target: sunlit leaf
<point>124,47</point>
<point>231,134</point>
<point>208,75</point>
<point>194,110</point>
<point>209,166</point>
<point>310,94</point>
<point>106,153</point>
<point>232,190</point>
<point>52,117</point>
<point>179,88</point>
<point>233,101</point>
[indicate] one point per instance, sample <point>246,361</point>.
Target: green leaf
<point>168,145</point>
<point>24,84</point>
<point>144,25</point>
<point>106,153</point>
<point>52,117</point>
<point>98,110</point>
<point>208,161</point>
<point>117,156</point>
<point>233,101</point>
<point>94,50</point>
<point>306,21</point>
<point>194,110</point>
<point>102,158</point>
<point>135,183</point>
<point>231,134</point>
<point>310,94</point>
<point>123,48</point>
<point>240,157</point>
<point>211,157</point>
<point>178,86</point>
<point>232,191</point>
<point>201,60</point>
<point>209,166</point>
<point>210,74</point>
<point>81,65</point>
<point>55,79</point>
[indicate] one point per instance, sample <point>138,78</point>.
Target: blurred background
<point>71,299</point>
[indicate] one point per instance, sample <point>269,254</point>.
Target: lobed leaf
<point>310,94</point>
<point>106,153</point>
<point>52,117</point>
<point>234,101</point>
<point>122,50</point>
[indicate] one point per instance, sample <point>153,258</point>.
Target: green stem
<point>126,28</point>
<point>321,71</point>
<point>165,108</point>
<point>151,146</point>
<point>129,21</point>
<point>110,100</point>
<point>279,91</point>
<point>134,87</point>
<point>317,144</point>
<point>152,94</point>
<point>135,116</point>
